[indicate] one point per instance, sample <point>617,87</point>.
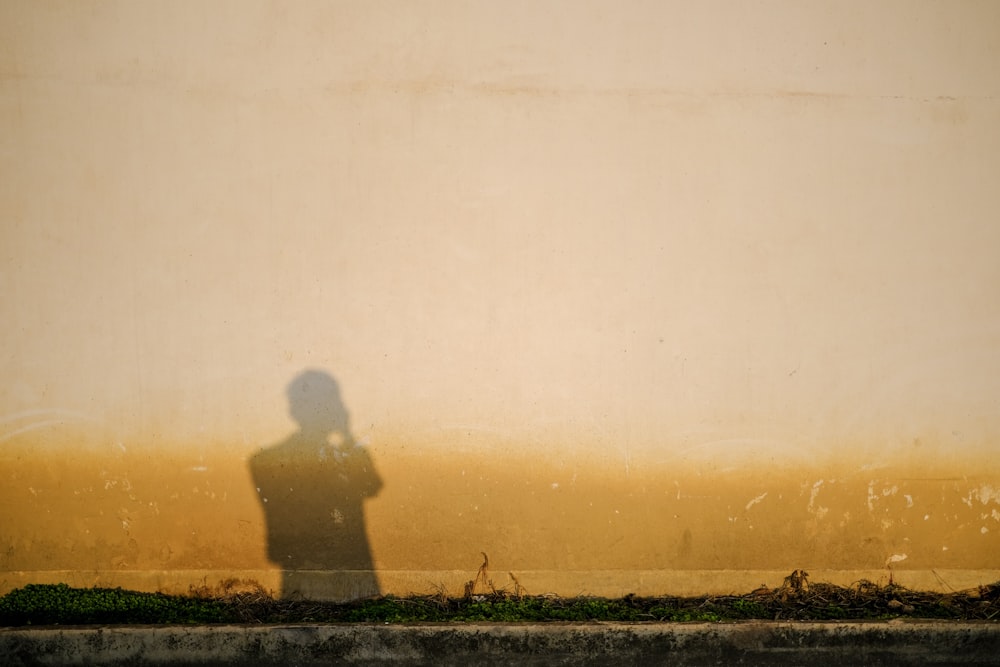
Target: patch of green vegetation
<point>750,608</point>
<point>678,615</point>
<point>831,612</point>
<point>41,604</point>
<point>391,609</point>
<point>59,604</point>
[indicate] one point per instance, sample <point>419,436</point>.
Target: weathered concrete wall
<point>673,294</point>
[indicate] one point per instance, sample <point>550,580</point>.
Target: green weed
<point>40,604</point>
<point>59,604</point>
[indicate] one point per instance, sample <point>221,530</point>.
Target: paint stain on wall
<point>158,511</point>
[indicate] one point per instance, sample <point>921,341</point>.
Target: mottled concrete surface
<point>752,643</point>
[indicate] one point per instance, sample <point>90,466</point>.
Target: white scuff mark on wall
<point>909,499</point>
<point>890,491</point>
<point>984,530</point>
<point>814,492</point>
<point>54,416</point>
<point>985,494</point>
<point>820,511</point>
<point>871,496</point>
<point>30,427</point>
<point>202,469</point>
<point>116,482</point>
<point>756,500</point>
<point>895,558</point>
<point>37,412</point>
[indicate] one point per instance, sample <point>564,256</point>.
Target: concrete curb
<point>750,643</point>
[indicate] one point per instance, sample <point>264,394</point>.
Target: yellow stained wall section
<point>633,297</point>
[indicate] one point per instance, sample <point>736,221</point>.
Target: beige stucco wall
<point>634,297</point>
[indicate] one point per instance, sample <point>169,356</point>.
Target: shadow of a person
<point>312,486</point>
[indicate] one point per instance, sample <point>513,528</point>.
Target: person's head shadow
<point>314,402</point>
<point>312,486</point>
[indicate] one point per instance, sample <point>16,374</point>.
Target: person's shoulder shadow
<point>312,486</point>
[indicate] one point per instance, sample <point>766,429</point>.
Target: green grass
<point>59,604</point>
<point>42,604</point>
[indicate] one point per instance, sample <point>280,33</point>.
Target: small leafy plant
<point>42,604</point>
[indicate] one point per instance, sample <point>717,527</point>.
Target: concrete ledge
<point>751,643</point>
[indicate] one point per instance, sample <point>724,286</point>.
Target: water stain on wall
<point>155,511</point>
